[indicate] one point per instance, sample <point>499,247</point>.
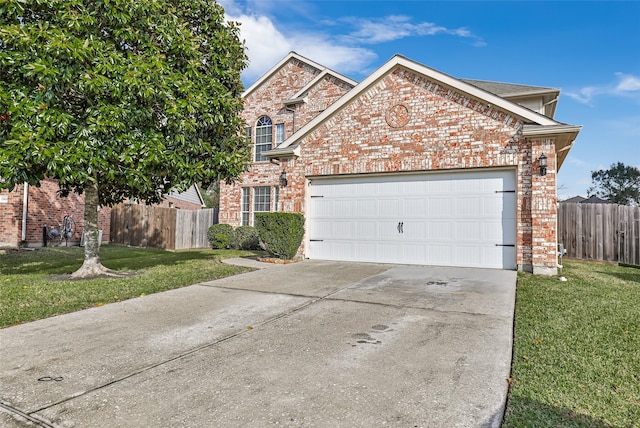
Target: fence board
<point>157,227</point>
<point>607,232</point>
<point>192,228</point>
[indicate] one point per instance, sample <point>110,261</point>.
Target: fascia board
<point>550,131</point>
<point>527,94</point>
<point>199,195</point>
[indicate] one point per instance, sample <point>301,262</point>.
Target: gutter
<point>550,130</point>
<point>25,200</point>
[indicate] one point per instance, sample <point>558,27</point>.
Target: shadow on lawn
<point>527,413</point>
<point>54,261</point>
<point>630,274</point>
<point>157,259</point>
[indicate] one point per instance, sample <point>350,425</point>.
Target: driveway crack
<point>179,356</point>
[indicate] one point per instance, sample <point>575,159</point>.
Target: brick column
<point>544,210</point>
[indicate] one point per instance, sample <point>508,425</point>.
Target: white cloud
<point>256,31</point>
<point>394,27</point>
<point>268,42</point>
<point>266,45</point>
<point>627,85</point>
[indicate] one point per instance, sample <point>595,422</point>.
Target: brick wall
<point>405,122</point>
<point>45,206</point>
<point>10,215</point>
<point>268,100</point>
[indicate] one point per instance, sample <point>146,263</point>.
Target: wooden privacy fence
<point>607,232</point>
<point>167,228</point>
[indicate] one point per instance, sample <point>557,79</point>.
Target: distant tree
<point>119,99</point>
<point>619,184</point>
<point>211,194</point>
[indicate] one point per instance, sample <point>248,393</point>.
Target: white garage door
<point>445,219</point>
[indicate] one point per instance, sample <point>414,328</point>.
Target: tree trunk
<point>91,267</point>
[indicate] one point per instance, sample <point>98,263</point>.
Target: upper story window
<point>264,137</point>
<point>279,133</point>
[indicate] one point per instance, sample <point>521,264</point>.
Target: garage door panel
<point>437,207</point>
<point>468,207</point>
<point>366,208</point>
<point>388,230</point>
<point>468,232</point>
<point>365,228</point>
<point>456,219</point>
<point>439,230</point>
<point>390,207</point>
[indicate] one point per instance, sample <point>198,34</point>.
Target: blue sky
<point>590,50</point>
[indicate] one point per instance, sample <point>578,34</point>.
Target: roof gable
<point>319,78</point>
<point>322,72</point>
<point>397,61</point>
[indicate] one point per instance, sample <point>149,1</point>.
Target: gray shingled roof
<point>508,89</point>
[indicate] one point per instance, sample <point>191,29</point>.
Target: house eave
<point>564,136</point>
<point>282,153</point>
<point>294,101</point>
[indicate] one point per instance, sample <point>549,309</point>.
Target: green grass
<point>35,284</point>
<point>577,349</point>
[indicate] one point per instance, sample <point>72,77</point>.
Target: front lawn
<point>35,284</point>
<point>577,349</point>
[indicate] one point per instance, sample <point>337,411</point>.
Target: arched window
<point>264,137</point>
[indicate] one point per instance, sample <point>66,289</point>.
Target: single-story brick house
<point>25,209</point>
<point>408,166</point>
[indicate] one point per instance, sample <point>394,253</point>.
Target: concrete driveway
<point>309,344</point>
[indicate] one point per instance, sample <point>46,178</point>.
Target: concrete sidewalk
<point>313,343</point>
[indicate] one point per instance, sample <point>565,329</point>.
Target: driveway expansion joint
<point>189,352</point>
<point>28,416</point>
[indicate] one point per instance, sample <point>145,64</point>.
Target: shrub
<point>221,236</point>
<point>247,238</point>
<point>280,233</point>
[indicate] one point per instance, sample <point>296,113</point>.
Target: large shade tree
<point>117,99</point>
<point>619,184</point>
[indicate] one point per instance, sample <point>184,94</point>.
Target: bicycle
<point>66,231</point>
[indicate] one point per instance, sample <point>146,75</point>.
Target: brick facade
<point>406,122</point>
<point>268,101</point>
<point>45,206</point>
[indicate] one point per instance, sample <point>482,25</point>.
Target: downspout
<point>292,110</point>
<point>25,200</point>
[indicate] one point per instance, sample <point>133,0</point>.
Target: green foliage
<point>619,184</point>
<point>280,233</point>
<point>221,236</point>
<point>247,238</point>
<point>135,97</point>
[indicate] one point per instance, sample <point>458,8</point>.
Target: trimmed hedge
<point>221,236</point>
<point>247,238</point>
<point>280,233</point>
